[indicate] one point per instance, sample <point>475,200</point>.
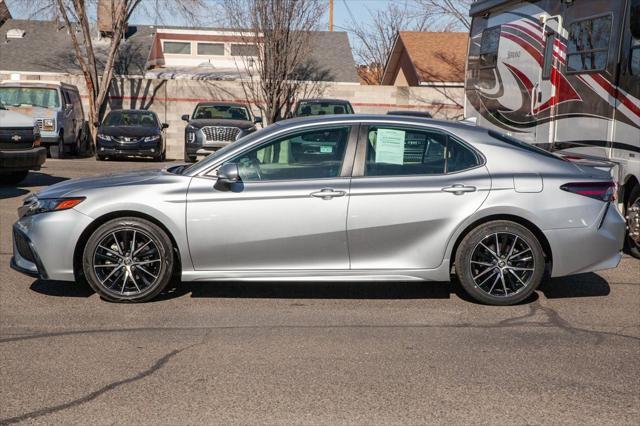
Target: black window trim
<point>348,159</point>
<point>483,67</point>
<point>361,150</point>
<point>567,71</point>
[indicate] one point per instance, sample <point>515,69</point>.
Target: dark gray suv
<point>215,125</point>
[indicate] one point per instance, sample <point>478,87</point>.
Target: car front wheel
<point>500,263</point>
<point>128,260</point>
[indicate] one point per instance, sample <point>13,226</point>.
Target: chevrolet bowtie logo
<point>16,137</point>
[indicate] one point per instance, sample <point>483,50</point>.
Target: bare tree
<point>445,15</point>
<point>375,37</point>
<point>280,69</point>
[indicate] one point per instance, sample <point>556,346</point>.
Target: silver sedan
<point>332,198</point>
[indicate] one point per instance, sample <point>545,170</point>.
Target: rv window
<point>588,44</point>
<point>634,62</point>
<point>635,19</point>
<point>177,47</point>
<point>489,47</point>
<point>548,56</point>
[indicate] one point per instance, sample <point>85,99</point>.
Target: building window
<point>489,44</point>
<point>211,49</point>
<point>588,44</point>
<point>177,47</point>
<point>244,50</point>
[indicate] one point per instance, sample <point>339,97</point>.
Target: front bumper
<point>23,159</point>
<point>593,248</point>
<point>44,244</point>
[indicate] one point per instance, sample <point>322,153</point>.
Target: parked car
<point>56,108</point>
<point>332,198</point>
<point>20,149</point>
<point>421,114</point>
<point>308,107</point>
<point>131,132</point>
<point>214,125</point>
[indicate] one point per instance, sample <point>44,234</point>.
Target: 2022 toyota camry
<point>332,198</point>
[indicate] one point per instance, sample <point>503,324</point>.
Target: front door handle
<point>328,193</point>
<point>458,189</point>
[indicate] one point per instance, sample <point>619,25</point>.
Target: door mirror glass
<point>185,117</point>
<point>312,154</point>
<point>228,173</point>
<point>258,120</point>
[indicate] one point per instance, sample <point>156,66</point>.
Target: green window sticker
<point>326,149</point>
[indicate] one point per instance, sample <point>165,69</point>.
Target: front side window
<point>177,47</point>
<point>489,44</point>
<point>588,44</point>
<point>398,152</point>
<point>634,63</point>
<point>32,96</point>
<point>314,154</point>
<point>635,19</point>
<point>221,112</point>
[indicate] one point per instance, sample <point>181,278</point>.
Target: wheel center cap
<point>127,261</point>
<point>501,264</point>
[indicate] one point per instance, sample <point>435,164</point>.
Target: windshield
<point>33,96</point>
<point>131,118</point>
<point>322,108</point>
<point>228,112</point>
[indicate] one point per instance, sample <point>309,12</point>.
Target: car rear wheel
<point>128,260</point>
<point>500,263</point>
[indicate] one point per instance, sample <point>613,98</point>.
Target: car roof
<point>222,103</point>
<point>50,84</point>
<point>323,100</point>
<point>132,110</point>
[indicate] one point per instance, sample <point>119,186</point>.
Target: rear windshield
<point>30,96</point>
<point>322,108</point>
<point>221,112</point>
<point>131,118</point>
<point>523,145</point>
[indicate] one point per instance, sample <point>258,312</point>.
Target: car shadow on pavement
<point>33,179</point>
<point>61,289</point>
<point>581,285</point>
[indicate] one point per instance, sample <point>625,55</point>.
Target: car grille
<point>23,247</point>
<point>16,137</point>
<point>220,133</point>
<point>126,139</point>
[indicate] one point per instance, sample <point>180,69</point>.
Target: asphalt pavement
<point>313,353</point>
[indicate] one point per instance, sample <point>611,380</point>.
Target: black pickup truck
<point>20,149</point>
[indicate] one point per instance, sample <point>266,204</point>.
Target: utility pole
<point>330,15</point>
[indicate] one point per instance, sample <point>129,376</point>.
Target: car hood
<point>14,119</point>
<point>129,131</point>
<point>202,122</point>
<point>76,187</point>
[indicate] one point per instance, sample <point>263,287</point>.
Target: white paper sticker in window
<point>390,146</point>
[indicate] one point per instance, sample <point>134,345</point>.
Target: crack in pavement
<point>553,320</point>
<point>95,394</point>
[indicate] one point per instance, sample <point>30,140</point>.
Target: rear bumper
<point>580,250</point>
<point>24,159</point>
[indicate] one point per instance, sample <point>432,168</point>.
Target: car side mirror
<point>229,174</point>
<point>257,120</point>
<point>185,117</point>
<point>165,126</point>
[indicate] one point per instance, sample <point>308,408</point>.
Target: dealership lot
<point>365,353</point>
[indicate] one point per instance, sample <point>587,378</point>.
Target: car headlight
<point>104,137</point>
<point>151,138</point>
<point>48,124</point>
<point>191,134</point>
<point>35,205</point>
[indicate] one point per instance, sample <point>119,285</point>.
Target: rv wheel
<point>633,222</point>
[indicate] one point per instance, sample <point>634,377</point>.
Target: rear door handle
<point>328,193</point>
<point>458,189</point>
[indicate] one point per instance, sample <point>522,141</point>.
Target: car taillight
<point>603,191</point>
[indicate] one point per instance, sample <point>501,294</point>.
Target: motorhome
<point>563,75</point>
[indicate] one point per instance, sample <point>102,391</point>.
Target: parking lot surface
<point>319,353</point>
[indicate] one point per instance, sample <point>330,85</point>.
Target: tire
<point>498,280</point>
<point>632,213</point>
<point>189,158</point>
<point>162,157</point>
<point>100,157</point>
<point>107,260</point>
<point>56,150</point>
<point>13,178</point>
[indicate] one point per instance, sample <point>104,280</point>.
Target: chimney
<point>5,15</point>
<point>107,11</point>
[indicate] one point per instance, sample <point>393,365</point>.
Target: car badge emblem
<point>16,138</point>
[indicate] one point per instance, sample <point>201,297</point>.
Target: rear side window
<point>588,44</point>
<point>398,152</point>
<point>489,44</point>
